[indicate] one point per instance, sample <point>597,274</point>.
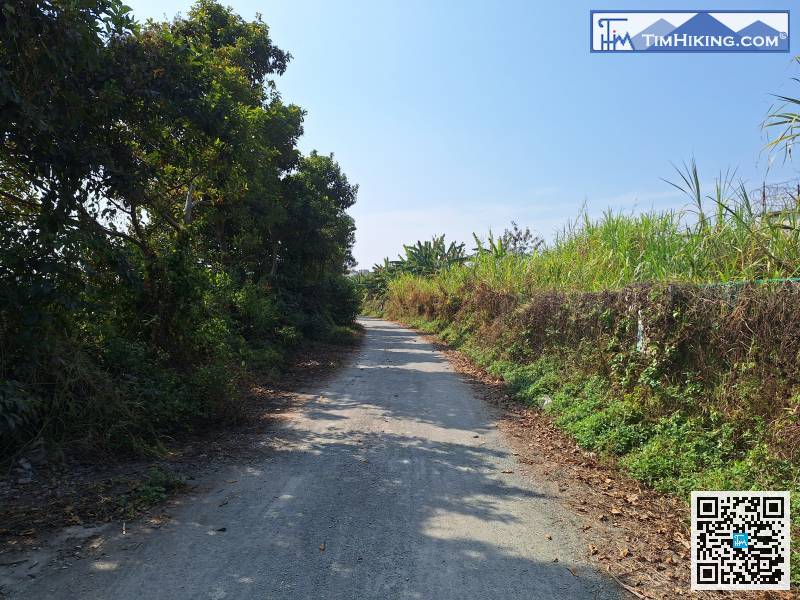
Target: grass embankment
<point>615,332</point>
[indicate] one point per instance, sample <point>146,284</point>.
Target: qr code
<point>740,540</point>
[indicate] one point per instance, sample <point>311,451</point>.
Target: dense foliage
<point>160,232</point>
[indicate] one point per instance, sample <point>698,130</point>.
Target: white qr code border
<point>782,521</point>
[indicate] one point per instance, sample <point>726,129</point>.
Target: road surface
<point>393,482</point>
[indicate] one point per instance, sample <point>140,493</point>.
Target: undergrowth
<point>674,433</point>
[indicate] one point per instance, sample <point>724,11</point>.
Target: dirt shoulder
<point>39,497</point>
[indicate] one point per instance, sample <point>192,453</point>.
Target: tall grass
<point>719,237</point>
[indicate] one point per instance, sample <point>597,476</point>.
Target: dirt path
<point>393,482</point>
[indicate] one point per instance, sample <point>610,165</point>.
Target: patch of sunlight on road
<point>432,366</point>
<point>450,526</point>
<point>105,565</point>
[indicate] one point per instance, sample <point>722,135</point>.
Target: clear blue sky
<point>457,116</point>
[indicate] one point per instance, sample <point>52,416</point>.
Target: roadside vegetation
<point>161,235</point>
<point>667,342</point>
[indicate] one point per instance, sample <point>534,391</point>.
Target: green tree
<point>159,227</point>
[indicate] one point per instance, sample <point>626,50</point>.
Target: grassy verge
<point>674,453</point>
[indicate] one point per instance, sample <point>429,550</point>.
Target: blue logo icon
<point>740,540</point>
<point>609,38</point>
<point>690,31</point>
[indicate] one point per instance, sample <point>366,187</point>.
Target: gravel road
<point>392,482</point>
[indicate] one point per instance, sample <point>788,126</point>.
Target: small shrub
<point>157,485</point>
<point>531,383</point>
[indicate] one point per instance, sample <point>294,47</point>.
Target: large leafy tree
<point>157,221</point>
<point>213,141</point>
<point>60,132</point>
<point>319,234</point>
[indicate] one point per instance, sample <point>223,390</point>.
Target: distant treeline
<point>160,232</point>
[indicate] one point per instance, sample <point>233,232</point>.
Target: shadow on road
<point>392,483</point>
